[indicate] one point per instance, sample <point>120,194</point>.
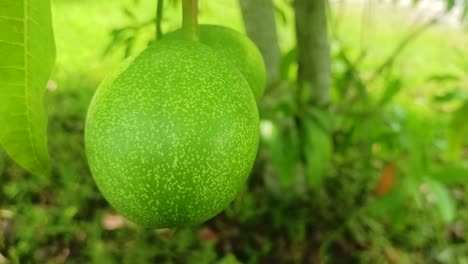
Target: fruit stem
<point>159,17</point>
<point>190,19</point>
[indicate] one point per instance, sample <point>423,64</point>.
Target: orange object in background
<point>386,181</point>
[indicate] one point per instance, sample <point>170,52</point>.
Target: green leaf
<point>455,94</point>
<point>457,132</point>
<point>443,77</point>
<point>129,13</point>
<point>451,174</point>
<point>389,204</point>
<point>450,4</point>
<point>27,53</point>
<point>395,199</point>
<point>318,148</point>
<point>324,118</point>
<point>288,61</point>
<point>445,203</point>
<point>393,87</point>
<point>282,148</point>
<point>465,9</point>
<point>281,14</point>
<point>393,204</point>
<point>229,259</point>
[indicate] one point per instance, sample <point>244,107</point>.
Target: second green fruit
<point>238,49</point>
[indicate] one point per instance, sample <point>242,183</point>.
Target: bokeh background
<point>392,178</point>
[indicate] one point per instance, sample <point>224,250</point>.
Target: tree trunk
<point>313,49</point>
<point>260,25</point>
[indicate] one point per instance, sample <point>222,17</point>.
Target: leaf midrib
<point>26,82</point>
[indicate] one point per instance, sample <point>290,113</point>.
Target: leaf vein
<point>12,96</point>
<point>11,84</point>
<point>11,18</point>
<point>12,68</point>
<point>12,43</point>
<point>32,20</point>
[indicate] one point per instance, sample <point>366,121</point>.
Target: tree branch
<point>313,49</point>
<point>260,25</point>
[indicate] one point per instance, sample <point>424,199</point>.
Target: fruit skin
<point>238,50</point>
<point>171,136</point>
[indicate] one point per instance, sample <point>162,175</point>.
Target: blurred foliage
<point>379,177</point>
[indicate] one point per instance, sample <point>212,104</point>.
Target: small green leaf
<point>281,14</point>
<point>389,204</point>
<point>129,44</point>
<point>287,62</point>
<point>455,94</point>
<point>450,4</point>
<point>318,148</point>
<point>325,119</point>
<point>393,203</point>
<point>465,9</point>
<point>457,132</point>
<point>443,77</point>
<point>27,53</point>
<point>392,89</point>
<point>283,157</point>
<point>229,259</point>
<point>129,13</point>
<point>451,174</point>
<point>445,203</point>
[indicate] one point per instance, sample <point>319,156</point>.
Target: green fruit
<point>238,50</point>
<point>171,136</point>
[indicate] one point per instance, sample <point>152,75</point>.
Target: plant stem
<point>190,19</point>
<point>159,17</point>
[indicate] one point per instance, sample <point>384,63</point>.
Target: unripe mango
<point>172,135</point>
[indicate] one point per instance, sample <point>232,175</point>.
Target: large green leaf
<point>27,54</point>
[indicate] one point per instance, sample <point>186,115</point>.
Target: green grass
<point>438,50</point>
